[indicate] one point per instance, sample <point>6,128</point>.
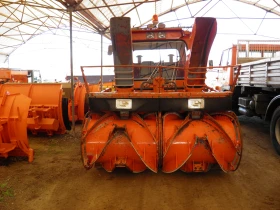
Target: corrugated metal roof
<point>21,20</point>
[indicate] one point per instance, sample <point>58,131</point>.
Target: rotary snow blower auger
<point>13,124</point>
<point>162,114</point>
<point>45,111</point>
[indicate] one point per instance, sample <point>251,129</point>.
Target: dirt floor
<point>57,180</point>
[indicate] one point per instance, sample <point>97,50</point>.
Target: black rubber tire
<point>275,130</point>
<point>65,114</point>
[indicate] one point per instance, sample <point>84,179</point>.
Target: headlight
<point>124,103</point>
<point>196,103</point>
<point>161,35</point>
<point>150,35</point>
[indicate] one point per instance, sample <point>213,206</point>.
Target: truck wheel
<point>275,130</point>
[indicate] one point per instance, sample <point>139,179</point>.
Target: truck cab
<point>257,91</point>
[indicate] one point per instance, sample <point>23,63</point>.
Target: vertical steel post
<point>101,63</point>
<point>70,9</point>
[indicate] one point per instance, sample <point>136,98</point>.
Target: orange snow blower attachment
<point>115,142</point>
<point>45,111</point>
<point>80,103</point>
<point>13,132</point>
<point>161,115</point>
<point>195,145</point>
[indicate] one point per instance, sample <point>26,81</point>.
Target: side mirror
<point>110,50</point>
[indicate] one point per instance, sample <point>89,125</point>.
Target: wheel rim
<point>277,130</point>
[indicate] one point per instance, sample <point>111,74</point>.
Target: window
<point>155,53</point>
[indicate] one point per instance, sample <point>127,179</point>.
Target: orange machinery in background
<point>19,76</point>
<point>13,126</point>
<point>8,75</point>
<point>80,102</point>
<point>161,114</point>
<point>45,111</point>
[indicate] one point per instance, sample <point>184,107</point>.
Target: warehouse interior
<point>78,126</point>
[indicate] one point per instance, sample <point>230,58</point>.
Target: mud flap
<point>111,142</point>
<point>195,145</point>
